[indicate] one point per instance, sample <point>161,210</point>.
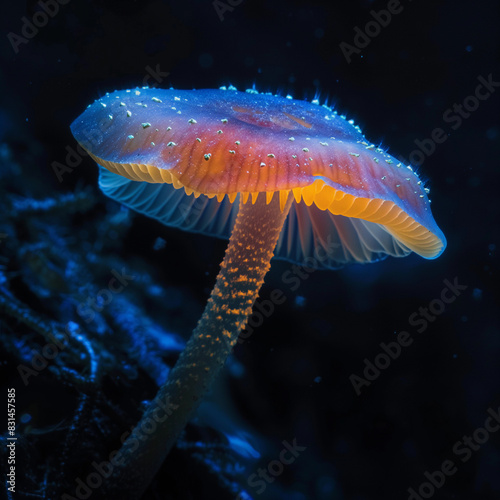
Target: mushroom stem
<point>242,272</point>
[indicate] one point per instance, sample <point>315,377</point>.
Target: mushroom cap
<point>353,200</point>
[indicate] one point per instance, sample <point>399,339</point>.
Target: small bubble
<point>300,301</point>
<point>159,244</point>
<point>25,418</point>
<point>155,290</point>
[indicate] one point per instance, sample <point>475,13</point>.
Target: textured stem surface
<point>242,272</point>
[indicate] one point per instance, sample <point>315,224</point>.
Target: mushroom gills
<point>308,233</point>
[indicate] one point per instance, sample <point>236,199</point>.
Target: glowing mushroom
<point>274,174</point>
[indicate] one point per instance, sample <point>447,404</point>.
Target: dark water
<point>433,407</point>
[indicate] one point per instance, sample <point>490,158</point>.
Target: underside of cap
<point>311,236</point>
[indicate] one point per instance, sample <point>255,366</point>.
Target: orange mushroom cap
<point>352,200</point>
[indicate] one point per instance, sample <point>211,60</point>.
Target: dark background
<point>291,378</point>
